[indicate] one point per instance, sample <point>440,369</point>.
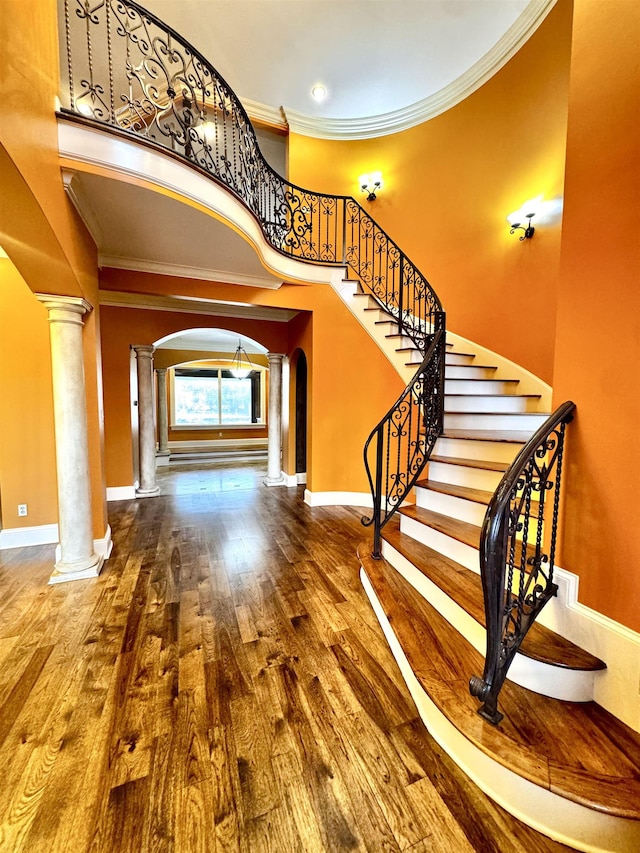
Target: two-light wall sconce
<point>516,225</point>
<point>371,184</point>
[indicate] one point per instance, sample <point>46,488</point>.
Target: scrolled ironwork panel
<point>516,566</point>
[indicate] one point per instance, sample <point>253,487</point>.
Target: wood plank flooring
<point>223,686</point>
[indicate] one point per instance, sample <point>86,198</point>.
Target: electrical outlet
<point>22,509</point>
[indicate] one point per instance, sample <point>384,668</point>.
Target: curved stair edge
<point>569,685</point>
<point>566,821</point>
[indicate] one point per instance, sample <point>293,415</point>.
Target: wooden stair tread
<point>577,750</point>
<point>486,465</point>
<point>478,496</point>
<point>463,531</point>
<point>498,414</point>
<point>508,435</point>
<point>499,396</point>
<point>465,588</point>
<point>471,379</point>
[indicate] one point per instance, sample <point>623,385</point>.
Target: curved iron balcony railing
<point>517,554</point>
<point>131,73</point>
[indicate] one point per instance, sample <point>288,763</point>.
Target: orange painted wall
<point>39,228</point>
<point>598,327</point>
<point>43,235</point>
<point>27,447</point>
<point>350,381</point>
<point>449,184</point>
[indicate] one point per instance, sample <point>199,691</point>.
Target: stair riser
<point>458,358</point>
<point>491,451</point>
<point>452,548</point>
<point>500,422</point>
<point>453,371</point>
<point>452,506</point>
<point>462,475</point>
<point>467,386</point>
<point>477,403</point>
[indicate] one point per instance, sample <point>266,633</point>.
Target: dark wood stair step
<point>486,465</point>
<point>509,435</point>
<point>465,588</point>
<point>577,750</point>
<point>462,531</point>
<point>478,496</point>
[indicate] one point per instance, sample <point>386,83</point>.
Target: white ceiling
<point>373,56</point>
<point>138,229</point>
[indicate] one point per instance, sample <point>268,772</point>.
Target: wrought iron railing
<point>400,445</point>
<point>517,553</point>
<point>131,73</point>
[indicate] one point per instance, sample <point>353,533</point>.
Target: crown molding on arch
<point>194,305</point>
<point>402,119</point>
<point>166,268</point>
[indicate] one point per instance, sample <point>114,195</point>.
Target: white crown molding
<point>163,268</point>
<point>264,114</point>
<point>189,305</point>
<point>369,127</point>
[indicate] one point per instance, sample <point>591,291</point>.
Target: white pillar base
<point>148,493</point>
<point>163,459</point>
<point>275,481</point>
<point>64,572</point>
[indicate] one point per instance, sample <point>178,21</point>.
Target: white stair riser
<point>467,386</point>
<point>501,422</point>
<point>452,506</point>
<point>458,358</point>
<point>468,371</point>
<point>478,403</point>
<point>452,548</point>
<point>463,475</point>
<point>413,357</point>
<point>490,451</point>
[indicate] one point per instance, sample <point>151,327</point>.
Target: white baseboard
<point>104,546</point>
<point>338,498</point>
<point>292,480</point>
<point>121,493</point>
<point>24,537</point>
<point>618,687</point>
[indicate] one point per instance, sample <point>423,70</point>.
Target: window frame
<point>258,400</point>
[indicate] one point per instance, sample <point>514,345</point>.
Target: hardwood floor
<point>223,686</point>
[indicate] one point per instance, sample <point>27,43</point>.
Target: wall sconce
<point>528,229</point>
<point>242,364</point>
<point>370,184</point>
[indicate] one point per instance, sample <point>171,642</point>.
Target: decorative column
<point>162,456</point>
<point>76,558</point>
<point>146,426</point>
<point>274,461</point>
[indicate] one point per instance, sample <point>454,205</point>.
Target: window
<point>211,397</point>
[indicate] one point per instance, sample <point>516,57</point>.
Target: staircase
<point>557,760</point>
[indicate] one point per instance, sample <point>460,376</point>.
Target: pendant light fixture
<point>242,365</point>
